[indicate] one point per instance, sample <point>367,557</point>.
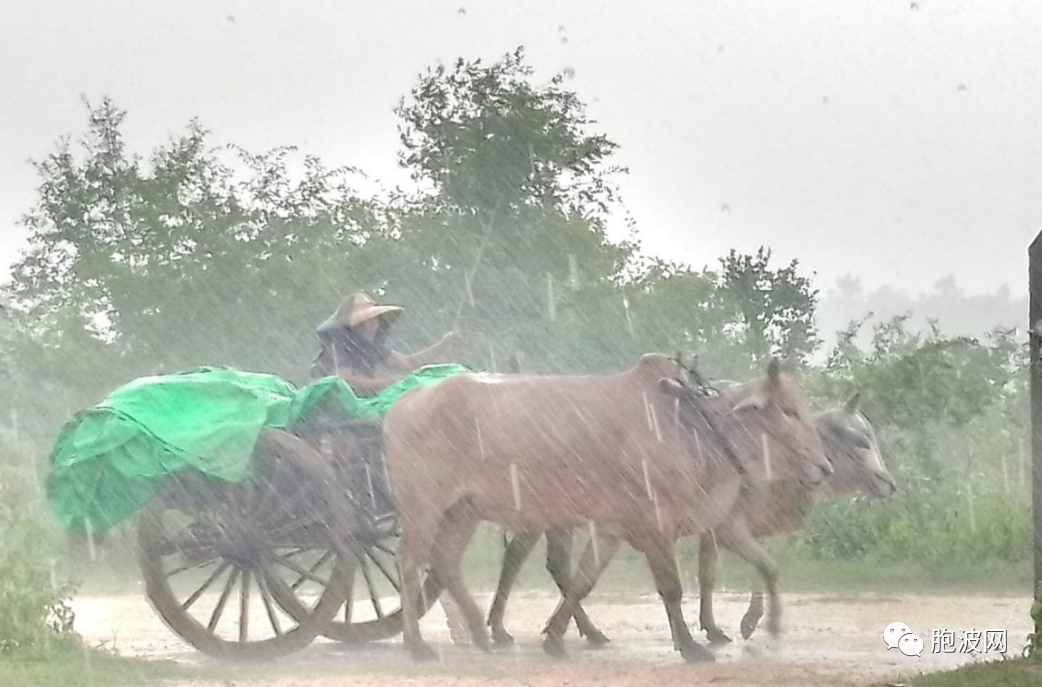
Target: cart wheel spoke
<point>378,544</point>
<point>193,565</point>
<point>206,585</point>
<point>244,606</point>
<point>269,608</point>
<point>218,610</point>
<point>323,559</point>
<point>393,579</point>
<point>372,591</point>
<point>303,572</point>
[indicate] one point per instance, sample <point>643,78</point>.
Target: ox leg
<point>454,619</point>
<point>513,558</point>
<point>412,591</point>
<point>595,559</point>
<point>451,543</point>
<point>739,540</point>
<point>663,564</point>
<point>752,616</point>
<point>559,565</point>
<point>708,566</point>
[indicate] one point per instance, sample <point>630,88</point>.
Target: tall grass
<point>34,599</point>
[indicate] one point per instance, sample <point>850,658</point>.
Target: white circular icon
<point>893,633</point>
<point>911,645</point>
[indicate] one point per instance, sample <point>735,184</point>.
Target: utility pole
<point>1035,337</point>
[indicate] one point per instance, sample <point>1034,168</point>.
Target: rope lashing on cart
<point>108,460</point>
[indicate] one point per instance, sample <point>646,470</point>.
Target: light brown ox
<point>628,454</point>
<point>781,507</point>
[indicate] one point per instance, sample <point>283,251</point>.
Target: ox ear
<point>774,372</point>
<point>672,387</point>
<point>851,406</point>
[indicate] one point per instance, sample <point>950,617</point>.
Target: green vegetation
<point>69,663</point>
<point>1012,673</point>
<point>33,601</point>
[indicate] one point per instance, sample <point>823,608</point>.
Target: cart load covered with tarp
<point>109,460</point>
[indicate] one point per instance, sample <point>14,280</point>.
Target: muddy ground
<point>828,640</point>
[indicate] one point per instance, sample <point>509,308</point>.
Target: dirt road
<point>828,640</point>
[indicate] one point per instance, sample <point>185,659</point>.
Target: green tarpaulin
<point>108,460</point>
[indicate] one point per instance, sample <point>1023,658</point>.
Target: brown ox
<point>850,445</point>
<point>630,455</point>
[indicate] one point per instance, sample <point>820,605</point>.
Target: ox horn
<point>851,406</point>
<point>773,371</point>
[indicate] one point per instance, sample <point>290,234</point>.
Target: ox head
<point>776,429</point>
<point>850,443</point>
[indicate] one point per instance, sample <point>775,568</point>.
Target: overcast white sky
<point>871,137</point>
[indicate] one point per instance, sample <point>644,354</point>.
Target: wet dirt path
<point>827,640</point>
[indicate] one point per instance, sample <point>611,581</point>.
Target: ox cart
<point>264,516</point>
<point>306,547</point>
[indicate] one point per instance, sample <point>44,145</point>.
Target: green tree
<point>773,308</point>
<point>511,232</point>
<point>194,256</point>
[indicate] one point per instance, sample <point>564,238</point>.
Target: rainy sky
<point>894,140</point>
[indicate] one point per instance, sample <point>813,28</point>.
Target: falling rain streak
<point>551,304</point>
<point>594,543</point>
<point>647,479</point>
<point>387,475</point>
<point>372,491</point>
<point>766,456</point>
<point>654,423</point>
<point>90,539</point>
<point>481,443</point>
<point>516,484</point>
<point>676,419</point>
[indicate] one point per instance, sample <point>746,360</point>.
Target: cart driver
<point>354,347</point>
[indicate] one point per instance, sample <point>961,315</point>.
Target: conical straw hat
<point>356,309</point>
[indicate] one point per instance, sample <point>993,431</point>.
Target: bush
<point>35,604</point>
<point>928,525</point>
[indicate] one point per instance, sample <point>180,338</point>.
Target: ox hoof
<point>749,624</point>
<point>774,626</point>
<point>483,642</point>
<point>502,638</point>
<point>459,637</point>
<point>696,653</point>
<point>554,646</point>
<point>717,637</point>
<point>422,652</point>
<point>597,639</point>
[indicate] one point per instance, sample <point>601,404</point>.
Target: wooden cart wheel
<point>373,610</point>
<point>207,548</point>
